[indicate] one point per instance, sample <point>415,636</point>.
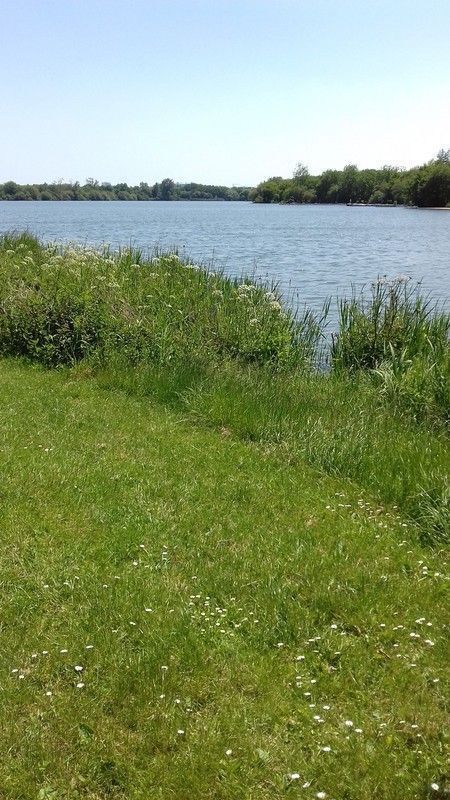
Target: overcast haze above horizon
<point>219,91</point>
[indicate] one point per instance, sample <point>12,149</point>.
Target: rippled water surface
<point>312,252</point>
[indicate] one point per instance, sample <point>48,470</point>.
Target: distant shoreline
<point>125,200</point>
<point>216,200</point>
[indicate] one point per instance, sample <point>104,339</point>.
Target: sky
<point>219,91</point>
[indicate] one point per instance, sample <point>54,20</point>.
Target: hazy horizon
<point>220,92</point>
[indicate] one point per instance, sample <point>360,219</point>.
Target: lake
<point>311,252</point>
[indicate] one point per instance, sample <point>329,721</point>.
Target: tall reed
<point>402,339</point>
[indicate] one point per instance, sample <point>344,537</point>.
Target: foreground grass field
<point>189,615</point>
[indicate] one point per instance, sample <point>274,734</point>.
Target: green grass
<point>278,595</point>
<point>228,355</point>
<point>61,305</point>
<point>334,422</point>
<point>244,558</point>
<point>402,339</point>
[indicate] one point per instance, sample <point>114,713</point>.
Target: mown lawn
<point>186,615</point>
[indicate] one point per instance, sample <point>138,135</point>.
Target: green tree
<point>443,157</point>
<point>166,189</point>
<point>432,186</point>
<point>301,172</point>
<point>10,189</point>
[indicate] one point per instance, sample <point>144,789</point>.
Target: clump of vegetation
<point>402,340</point>
<point>424,186</point>
<point>58,306</point>
<point>230,356</point>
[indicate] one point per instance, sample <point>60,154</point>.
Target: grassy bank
<point>231,357</point>
<point>185,614</point>
<point>223,571</point>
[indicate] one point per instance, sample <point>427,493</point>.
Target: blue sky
<point>219,91</point>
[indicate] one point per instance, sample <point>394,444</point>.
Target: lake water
<point>312,252</point>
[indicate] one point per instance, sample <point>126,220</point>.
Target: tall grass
<point>229,355</point>
<point>61,305</point>
<point>402,339</point>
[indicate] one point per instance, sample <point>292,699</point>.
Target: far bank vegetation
<point>425,186</point>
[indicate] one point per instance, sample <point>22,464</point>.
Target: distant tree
<point>272,190</point>
<point>328,186</point>
<point>10,188</point>
<point>144,191</point>
<point>431,186</point>
<point>443,157</point>
<point>166,189</point>
<point>300,172</point>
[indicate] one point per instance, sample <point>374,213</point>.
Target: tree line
<point>424,186</point>
<point>167,189</point>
